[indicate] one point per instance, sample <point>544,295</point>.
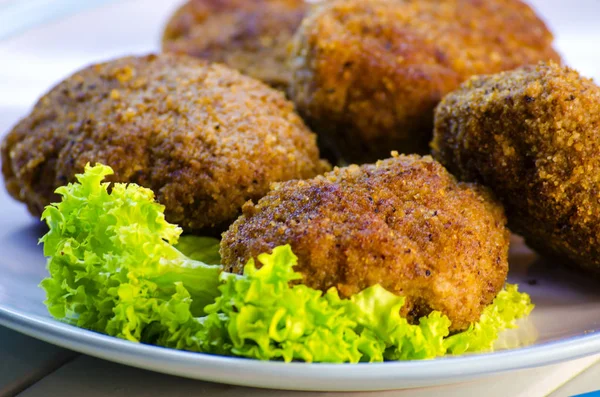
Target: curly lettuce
<point>263,315</point>
<point>118,267</point>
<point>509,304</point>
<point>112,261</point>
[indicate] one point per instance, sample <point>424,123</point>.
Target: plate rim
<point>297,375</point>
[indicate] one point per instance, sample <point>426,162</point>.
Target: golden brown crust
<point>249,35</point>
<point>533,136</point>
<point>367,74</point>
<point>403,222</point>
<point>203,137</point>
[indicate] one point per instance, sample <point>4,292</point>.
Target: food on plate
<point>202,136</point>
<point>404,223</point>
<point>533,136</point>
<point>367,74</point>
<point>249,35</point>
<point>115,268</point>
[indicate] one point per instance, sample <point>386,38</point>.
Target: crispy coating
<point>404,223</point>
<point>367,74</point>
<point>533,136</point>
<point>202,136</point>
<point>249,35</point>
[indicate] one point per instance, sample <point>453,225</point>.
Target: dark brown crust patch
<point>533,136</point>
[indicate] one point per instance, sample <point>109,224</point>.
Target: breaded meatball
<point>533,136</point>
<point>249,35</point>
<point>404,223</point>
<point>203,137</point>
<point>367,74</point>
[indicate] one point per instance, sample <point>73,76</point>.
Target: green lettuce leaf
<point>508,306</point>
<point>378,310</point>
<point>262,315</point>
<point>117,267</point>
<point>113,267</point>
<point>203,249</point>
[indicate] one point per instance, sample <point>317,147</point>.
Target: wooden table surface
<point>31,368</point>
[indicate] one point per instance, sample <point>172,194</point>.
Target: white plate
<point>564,322</point>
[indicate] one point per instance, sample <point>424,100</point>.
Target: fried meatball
<point>202,136</point>
<point>249,35</point>
<point>367,74</point>
<point>533,136</point>
<point>404,223</point>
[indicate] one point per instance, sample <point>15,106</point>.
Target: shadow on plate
<point>26,238</point>
<point>548,281</point>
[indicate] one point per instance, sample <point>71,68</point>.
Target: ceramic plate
<point>562,327</point>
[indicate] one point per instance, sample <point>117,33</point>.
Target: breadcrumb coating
<point>367,74</point>
<point>249,35</point>
<point>203,137</point>
<point>533,136</point>
<point>404,223</point>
